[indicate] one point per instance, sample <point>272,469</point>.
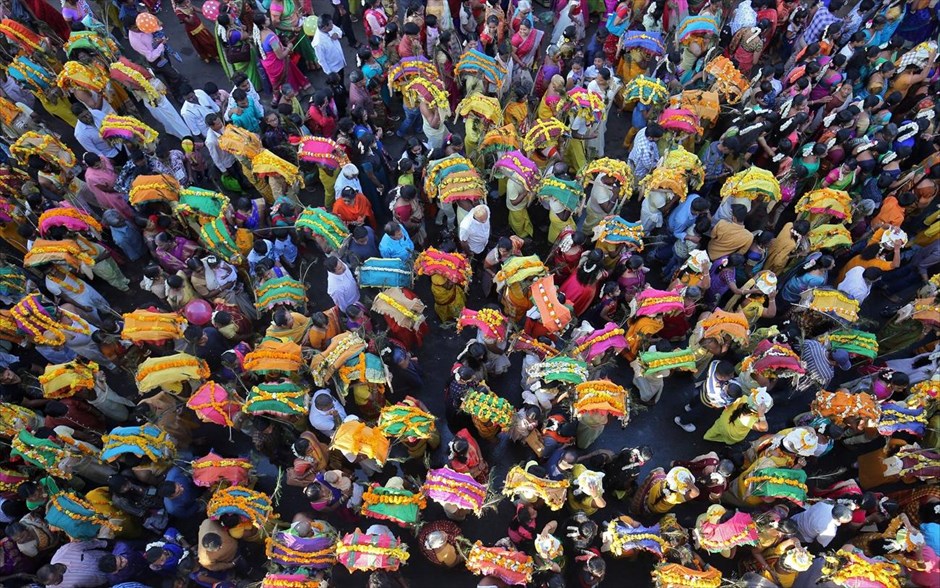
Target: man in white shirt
<point>88,135</point>
<point>474,231</point>
<point>327,47</point>
<point>341,284</point>
<point>820,522</point>
<point>196,106</point>
<point>858,282</point>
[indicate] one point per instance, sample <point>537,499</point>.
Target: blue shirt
<point>682,217</point>
<point>136,562</point>
<point>931,533</point>
<point>185,505</point>
<point>285,248</point>
<point>367,250</point>
<point>400,248</point>
<point>130,241</point>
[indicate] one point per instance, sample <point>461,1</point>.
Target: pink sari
<point>528,47</point>
<point>281,71</point>
<point>100,183</point>
<point>577,294</point>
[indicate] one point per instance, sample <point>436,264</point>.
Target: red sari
<point>411,339</point>
<point>474,464</point>
<point>199,36</point>
<point>577,294</point>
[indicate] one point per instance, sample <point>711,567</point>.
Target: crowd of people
<point>721,212</point>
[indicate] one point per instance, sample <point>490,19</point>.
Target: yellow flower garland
<point>371,498</point>
<point>57,329</point>
<point>98,518</point>
<point>222,463</point>
<point>595,340</point>
<point>79,377</point>
<point>202,369</point>
<point>618,541</point>
<point>777,480</point>
<point>410,315</point>
<point>676,576</point>
<point>848,565</point>
<point>153,96</point>
<point>480,559</point>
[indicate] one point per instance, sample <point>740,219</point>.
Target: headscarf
<point>342,180</point>
<point>323,421</point>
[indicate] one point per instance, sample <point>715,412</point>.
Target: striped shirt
<point>81,561</point>
<point>816,360</point>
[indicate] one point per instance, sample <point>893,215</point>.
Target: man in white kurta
<point>606,85</point>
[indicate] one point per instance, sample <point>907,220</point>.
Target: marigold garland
<point>490,321</point>
<point>412,316</point>
<point>36,322</point>
<point>594,340</point>
<point>21,35</point>
<point>144,85</point>
<point>602,396</point>
<point>77,75</point>
<point>48,147</point>
<point>248,503</point>
<point>97,518</point>
<point>677,576</point>
<point>64,380</point>
<point>497,561</point>
<point>149,440</point>
<point>371,498</point>
<point>553,492</point>
<point>489,408</point>
<point>848,566</point>
<point>36,76</point>
<point>621,541</point>
<point>321,558</point>
<point>120,126</point>
<point>453,266</point>
<point>324,224</point>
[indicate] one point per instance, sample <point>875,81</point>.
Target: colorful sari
<point>449,298</point>
<point>198,35</point>
<point>250,67</point>
<point>527,48</point>
<point>280,71</point>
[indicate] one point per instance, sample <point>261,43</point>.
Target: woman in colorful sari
<point>815,274</point>
<point>547,72</point>
<point>449,298</point>
<point>276,58</point>
<point>100,178</point>
<point>286,19</point>
<point>552,100</point>
<point>662,491</point>
<point>444,61</point>
<point>172,252</point>
<point>920,20</point>
<point>198,35</point>
<point>580,288</point>
<point>238,50</point>
<point>525,48</point>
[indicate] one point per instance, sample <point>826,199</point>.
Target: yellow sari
<point>449,299</point>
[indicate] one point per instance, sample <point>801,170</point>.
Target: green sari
<point>250,67</point>
<point>289,24</point>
